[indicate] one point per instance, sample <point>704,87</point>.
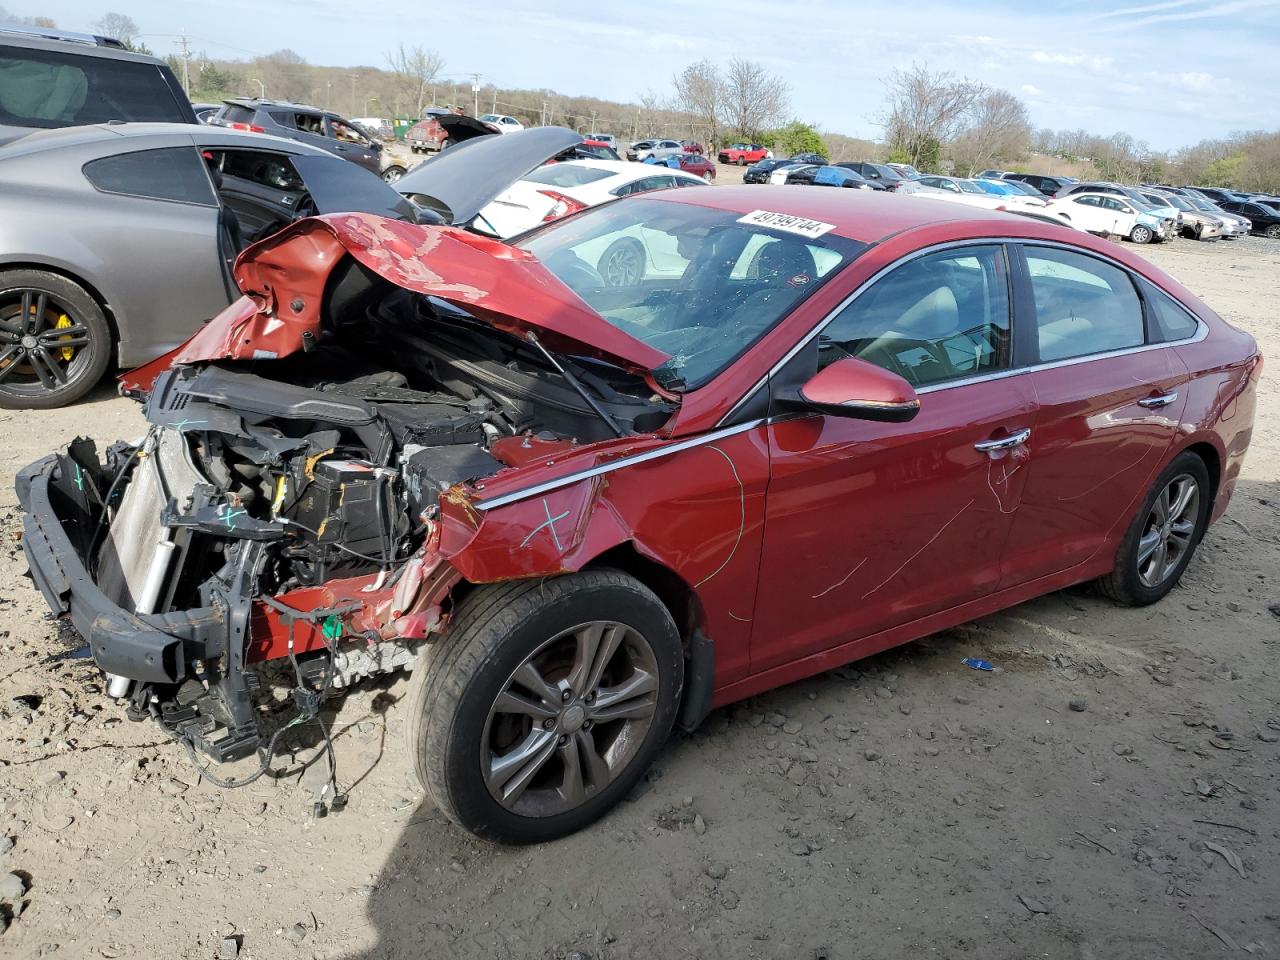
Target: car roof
<point>257,102</point>
<point>865,216</point>
<point>132,136</point>
<point>63,41</point>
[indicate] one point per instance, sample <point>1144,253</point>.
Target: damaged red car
<point>584,509</point>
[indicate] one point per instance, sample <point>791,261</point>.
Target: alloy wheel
<point>1168,531</point>
<point>623,267</point>
<point>569,719</point>
<point>41,345</point>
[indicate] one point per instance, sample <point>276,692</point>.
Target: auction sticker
<point>785,221</point>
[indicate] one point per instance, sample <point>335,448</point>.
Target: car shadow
<point>722,851</point>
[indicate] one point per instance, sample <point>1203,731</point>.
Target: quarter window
<point>1083,305</point>
<point>937,318</point>
<point>1169,320</point>
<point>175,173</point>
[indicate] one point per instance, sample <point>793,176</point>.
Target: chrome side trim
<point>572,478</point>
<point>1202,329</point>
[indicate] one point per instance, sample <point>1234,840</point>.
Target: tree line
<point>937,121</point>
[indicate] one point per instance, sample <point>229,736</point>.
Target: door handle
<point>1005,443</point>
<point>1161,400</point>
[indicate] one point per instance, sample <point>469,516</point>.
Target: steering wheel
<point>305,207</point>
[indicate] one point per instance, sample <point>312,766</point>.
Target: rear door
<point>1110,400</point>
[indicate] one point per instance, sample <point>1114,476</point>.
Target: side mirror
<point>861,390</point>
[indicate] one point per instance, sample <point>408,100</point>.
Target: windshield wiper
<point>573,382</point>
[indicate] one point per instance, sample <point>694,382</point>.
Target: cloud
<point>1030,90</point>
<point>1149,8</point>
<point>1086,60</point>
<point>1212,11</point>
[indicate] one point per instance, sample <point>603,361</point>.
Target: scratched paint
<point>549,525</point>
<point>843,580</point>
<point>926,546</point>
<point>742,516</point>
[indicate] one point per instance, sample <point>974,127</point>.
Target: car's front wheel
<point>1163,536</point>
<point>393,173</point>
<point>545,703</point>
<point>1141,234</point>
<point>54,340</point>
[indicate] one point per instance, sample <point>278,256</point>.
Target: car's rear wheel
<point>1163,537</point>
<point>742,161</point>
<point>393,173</point>
<point>1141,234</point>
<point>1273,231</point>
<point>708,176</point>
<point>545,703</point>
<point>55,343</point>
<point>623,263</point>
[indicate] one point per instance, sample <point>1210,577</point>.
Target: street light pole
<point>475,94</point>
<point>261,85</point>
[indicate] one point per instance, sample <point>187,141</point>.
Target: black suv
<point>309,125</point>
<point>881,173</point>
<point>50,78</point>
<point>1047,185</point>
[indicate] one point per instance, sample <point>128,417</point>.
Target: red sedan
<point>810,425</point>
<point>698,165</point>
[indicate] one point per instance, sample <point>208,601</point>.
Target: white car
<point>608,138</point>
<point>956,189</point>
<point>559,189</point>
<point>504,123</point>
<point>1108,214</point>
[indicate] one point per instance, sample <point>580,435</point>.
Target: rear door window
<point>176,174</point>
<point>1169,320</point>
<point>1083,305</point>
<point>40,88</point>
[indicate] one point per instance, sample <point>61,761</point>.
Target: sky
<point>1169,72</point>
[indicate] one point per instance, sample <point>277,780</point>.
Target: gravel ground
<point>1111,791</point>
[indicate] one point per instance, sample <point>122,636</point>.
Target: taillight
<point>562,207</point>
<point>250,127</point>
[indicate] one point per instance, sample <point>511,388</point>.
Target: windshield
<point>699,284</point>
<point>996,189</point>
<point>1021,187</point>
<point>967,187</point>
<point>567,175</point>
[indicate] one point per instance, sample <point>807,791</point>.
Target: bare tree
<point>754,99</point>
<point>997,128</point>
<point>120,27</point>
<point>926,109</point>
<point>414,70</point>
<point>700,92</point>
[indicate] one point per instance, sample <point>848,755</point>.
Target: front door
<point>869,525</point>
<point>1109,400</point>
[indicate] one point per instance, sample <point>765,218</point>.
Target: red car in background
<point>443,127</point>
<point>589,506</point>
<point>692,146</point>
<point>744,153</point>
<point>698,165</point>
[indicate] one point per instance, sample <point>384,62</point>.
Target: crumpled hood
<point>285,278</point>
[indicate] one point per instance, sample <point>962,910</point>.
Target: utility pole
<point>495,100</point>
<point>593,122</point>
<point>328,91</point>
<point>186,62</point>
<point>475,94</point>
<point>544,113</point>
<point>354,78</point>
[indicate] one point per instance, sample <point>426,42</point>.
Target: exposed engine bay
<point>263,482</point>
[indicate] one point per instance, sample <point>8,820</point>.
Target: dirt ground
<point>904,806</point>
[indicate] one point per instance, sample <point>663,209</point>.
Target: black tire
<point>393,173</point>
<point>47,369</point>
<point>496,629</point>
<point>1141,234</point>
<point>623,263</point>
<point>1273,231</point>
<point>1125,583</point>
